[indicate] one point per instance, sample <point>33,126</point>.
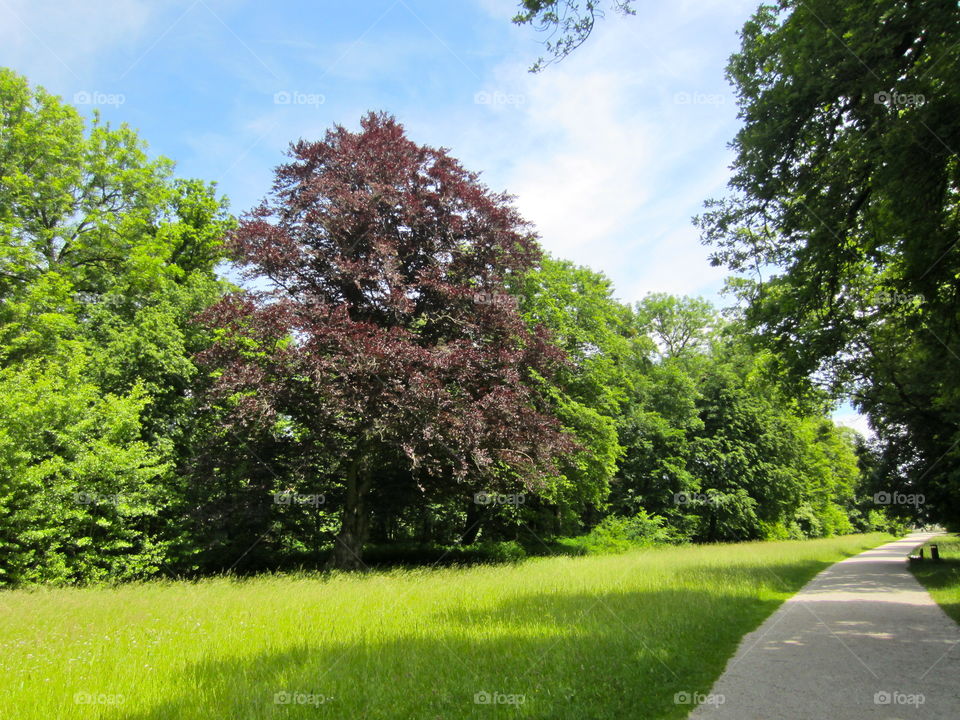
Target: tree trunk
<point>474,516</point>
<point>354,519</point>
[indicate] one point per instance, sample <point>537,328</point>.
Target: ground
<point>632,635</point>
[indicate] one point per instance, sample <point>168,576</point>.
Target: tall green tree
<point>105,257</point>
<point>843,217</point>
<point>577,306</point>
<point>661,416</point>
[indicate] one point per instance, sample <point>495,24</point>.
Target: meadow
<point>637,634</point>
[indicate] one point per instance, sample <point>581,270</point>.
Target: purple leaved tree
<point>387,332</point>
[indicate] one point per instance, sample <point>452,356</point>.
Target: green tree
<point>80,491</point>
<point>843,217</point>
<point>662,415</point>
<point>680,326</point>
<point>105,257</point>
<point>577,306</point>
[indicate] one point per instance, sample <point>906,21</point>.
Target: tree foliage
<point>843,215</point>
<point>388,335</point>
<point>402,352</point>
<point>567,23</point>
<point>104,258</point>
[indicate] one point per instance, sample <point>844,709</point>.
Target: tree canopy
<point>105,257</point>
<point>385,339</point>
<point>404,373</point>
<point>842,219</point>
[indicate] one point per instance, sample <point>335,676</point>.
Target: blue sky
<point>610,153</point>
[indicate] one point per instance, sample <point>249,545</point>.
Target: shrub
<point>616,533</point>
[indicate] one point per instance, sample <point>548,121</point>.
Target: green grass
<point>942,579</point>
<point>590,637</point>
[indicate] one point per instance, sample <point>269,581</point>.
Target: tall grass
<point>596,637</point>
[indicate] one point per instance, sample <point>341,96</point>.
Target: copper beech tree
<point>386,334</point>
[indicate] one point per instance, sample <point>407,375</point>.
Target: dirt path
<point>863,639</point>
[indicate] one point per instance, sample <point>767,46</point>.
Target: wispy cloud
<point>848,417</point>
<point>612,151</point>
<point>67,40</point>
<point>609,153</point>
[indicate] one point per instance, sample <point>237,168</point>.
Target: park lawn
<point>942,579</point>
<point>597,637</point>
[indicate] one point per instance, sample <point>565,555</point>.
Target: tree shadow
<point>943,574</point>
<point>568,655</point>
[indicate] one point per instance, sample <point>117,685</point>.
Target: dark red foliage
<point>382,333</point>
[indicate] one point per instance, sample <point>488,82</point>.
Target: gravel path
<point>863,639</point>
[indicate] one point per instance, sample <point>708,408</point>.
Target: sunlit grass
<point>942,579</point>
<point>589,637</point>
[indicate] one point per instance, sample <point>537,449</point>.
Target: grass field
<point>591,637</point>
<point>942,578</point>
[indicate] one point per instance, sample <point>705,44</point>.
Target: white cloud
<point>850,418</point>
<point>585,175</point>
<point>674,264</point>
<point>61,41</point>
<point>601,156</point>
<point>614,149</point>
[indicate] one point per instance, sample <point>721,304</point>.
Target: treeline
<point>413,376</point>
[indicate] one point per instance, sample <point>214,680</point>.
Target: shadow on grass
<point>569,655</point>
<point>403,555</point>
<point>942,575</point>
